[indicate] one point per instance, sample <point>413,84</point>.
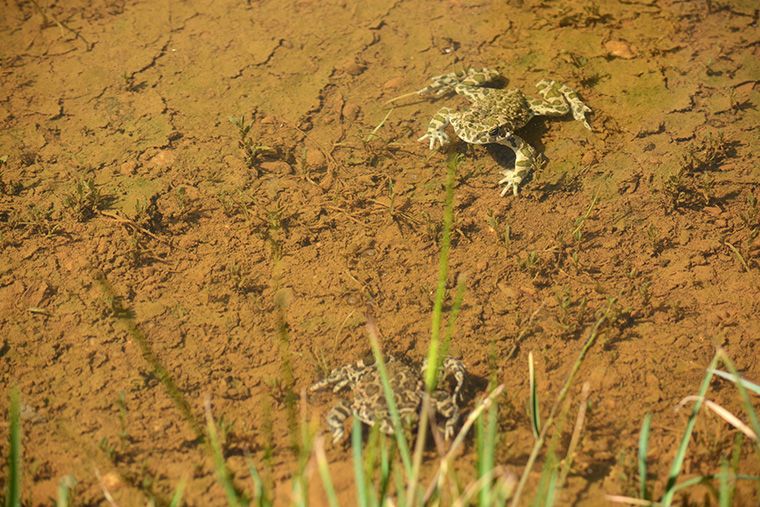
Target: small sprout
<point>180,195</point>
<point>732,103</point>
<point>128,81</point>
<point>251,151</point>
<point>531,263</point>
<point>121,402</point>
<point>40,221</point>
<point>573,313</point>
<point>644,294</point>
<point>84,200</point>
<point>507,235</point>
<point>9,187</point>
<point>654,239</point>
<point>581,221</point>
<point>109,449</point>
<point>492,221</point>
<point>147,215</point>
<point>391,197</point>
<point>576,263</point>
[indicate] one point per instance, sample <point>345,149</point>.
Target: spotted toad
<point>368,402</point>
<point>496,114</point>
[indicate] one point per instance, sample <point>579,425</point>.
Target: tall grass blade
<point>124,315</point>
<point>642,461</point>
<point>455,308</point>
<point>535,422</point>
<point>13,487</point>
<point>324,471</point>
<point>411,490</point>
<point>234,499</point>
<point>565,389</point>
<point>738,380</point>
<point>574,440</point>
<point>436,485</point>
<point>724,485</point>
<point>389,398</point>
<point>546,482</point>
<point>431,376</point>
<point>259,496</point>
<point>675,468</point>
<point>487,452</point>
<point>742,386</point>
<point>65,485</point>
<point>176,500</point>
<point>356,447</point>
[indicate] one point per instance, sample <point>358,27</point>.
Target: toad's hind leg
<point>445,405</point>
<point>525,157</point>
<point>446,83</point>
<point>336,418</point>
<point>559,99</point>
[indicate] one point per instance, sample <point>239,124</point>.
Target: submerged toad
<point>496,114</point>
<point>367,401</point>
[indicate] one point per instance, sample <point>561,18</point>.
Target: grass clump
<point>720,484</point>
<point>251,151</point>
<point>84,200</point>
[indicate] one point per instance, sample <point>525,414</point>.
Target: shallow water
<point>215,248</point>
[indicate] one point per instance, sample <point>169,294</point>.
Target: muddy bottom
<point>218,197</point>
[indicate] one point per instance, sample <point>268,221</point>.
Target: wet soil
<point>241,263</point>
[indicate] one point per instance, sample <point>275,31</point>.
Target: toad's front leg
<point>436,130</point>
<point>336,418</point>
<point>525,157</point>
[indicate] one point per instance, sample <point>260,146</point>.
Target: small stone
<point>315,159</point>
<point>619,49</point>
<point>276,167</point>
<point>351,111</point>
<point>393,83</point>
<point>128,168</point>
<point>112,481</point>
<point>589,158</point>
<point>353,68</point>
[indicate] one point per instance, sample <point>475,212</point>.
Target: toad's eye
<point>496,131</point>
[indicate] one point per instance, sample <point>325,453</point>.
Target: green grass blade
<point>324,472</point>
<point>400,487</point>
<point>643,447</point>
<point>431,376</point>
<point>742,386</point>
<point>13,487</point>
<point>724,485</point>
<point>176,500</point>
<point>546,482</point>
<point>385,472</point>
<point>486,454</point>
<point>565,389</point>
<point>455,308</point>
<point>258,485</point>
<point>551,487</point>
<point>675,468</point>
<point>65,485</point>
<point>390,400</point>
<point>738,380</point>
<point>535,421</point>
<point>480,447</point>
<point>223,474</point>
<point>379,125</point>
<point>707,478</point>
<point>356,447</point>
